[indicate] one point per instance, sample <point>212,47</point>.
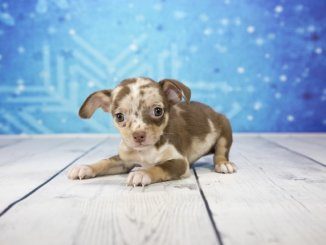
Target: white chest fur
<point>149,156</point>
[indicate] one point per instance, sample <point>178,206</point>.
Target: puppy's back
<point>194,128</point>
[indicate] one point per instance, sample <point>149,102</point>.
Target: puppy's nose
<point>139,136</point>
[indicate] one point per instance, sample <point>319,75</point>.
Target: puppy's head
<point>139,106</point>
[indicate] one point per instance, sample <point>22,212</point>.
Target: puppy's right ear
<point>175,90</point>
<point>97,99</point>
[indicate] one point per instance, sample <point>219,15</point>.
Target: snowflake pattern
<point>262,66</point>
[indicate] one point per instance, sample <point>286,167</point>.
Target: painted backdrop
<point>262,63</point>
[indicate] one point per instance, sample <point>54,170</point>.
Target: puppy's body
<point>164,144</point>
<point>195,128</point>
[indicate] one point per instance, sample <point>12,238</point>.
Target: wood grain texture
<point>4,142</point>
<point>105,211</point>
<point>276,197</point>
<point>26,164</point>
<point>311,146</point>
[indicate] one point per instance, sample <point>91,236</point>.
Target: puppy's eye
<point>120,117</point>
<point>158,111</point>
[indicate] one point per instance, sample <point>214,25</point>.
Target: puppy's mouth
<point>141,145</point>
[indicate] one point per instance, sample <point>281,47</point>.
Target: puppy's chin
<point>141,147</point>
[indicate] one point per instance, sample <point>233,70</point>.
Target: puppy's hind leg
<point>112,165</point>
<point>222,150</point>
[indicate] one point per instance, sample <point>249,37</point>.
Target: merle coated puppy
<point>159,132</point>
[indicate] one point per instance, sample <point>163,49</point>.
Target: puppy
<point>159,132</point>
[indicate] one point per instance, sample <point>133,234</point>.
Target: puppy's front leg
<point>112,165</point>
<point>169,170</point>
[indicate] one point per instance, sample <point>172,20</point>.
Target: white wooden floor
<point>278,195</point>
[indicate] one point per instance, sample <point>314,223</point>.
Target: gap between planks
<point>104,209</point>
<point>208,209</point>
<point>198,182</point>
<point>11,205</point>
<point>292,151</point>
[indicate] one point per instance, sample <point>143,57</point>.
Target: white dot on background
<point>278,9</point>
<point>133,47</point>
<point>250,118</point>
<point>135,61</point>
<point>311,28</point>
<point>240,70</point>
<point>299,7</point>
<point>267,79</point>
<point>250,29</point>
<point>257,106</point>
<point>20,87</point>
<point>51,88</point>
<point>290,118</point>
<point>221,48</point>
<point>179,15</point>
<point>140,18</point>
<point>208,31</point>
<point>158,7</point>
<point>20,81</point>
<point>224,21</point>
<point>90,84</point>
<point>318,50</point>
<point>72,32</point>
<point>278,95</point>
<point>51,30</point>
<point>21,49</point>
<point>259,41</point>
<point>283,78</point>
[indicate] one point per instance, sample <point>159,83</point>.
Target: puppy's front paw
<point>81,172</point>
<point>139,178</point>
<point>225,167</point>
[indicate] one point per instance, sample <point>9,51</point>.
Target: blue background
<point>262,63</point>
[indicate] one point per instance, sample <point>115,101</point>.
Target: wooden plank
<point>275,197</point>
<point>105,211</point>
<point>313,147</point>
<point>25,165</point>
<point>8,142</point>
<point>28,147</point>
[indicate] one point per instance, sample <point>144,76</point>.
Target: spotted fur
<point>170,142</point>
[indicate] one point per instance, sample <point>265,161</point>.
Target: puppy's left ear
<point>175,90</point>
<point>97,99</point>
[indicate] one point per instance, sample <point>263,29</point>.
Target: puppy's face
<point>140,111</point>
<point>139,106</point>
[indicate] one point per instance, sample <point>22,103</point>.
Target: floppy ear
<point>97,99</point>
<point>175,90</point>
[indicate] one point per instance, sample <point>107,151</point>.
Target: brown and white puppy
<point>159,132</point>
